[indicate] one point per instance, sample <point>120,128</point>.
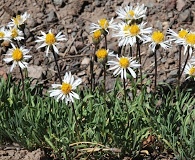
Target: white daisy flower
<point>130,13</point>
<point>16,34</point>
<point>189,70</point>
<point>189,41</point>
<point>158,38</point>
<point>177,37</point>
<point>4,34</point>
<point>18,56</point>
<point>127,34</point>
<point>103,24</point>
<point>18,20</point>
<point>50,40</point>
<point>65,91</point>
<point>122,65</point>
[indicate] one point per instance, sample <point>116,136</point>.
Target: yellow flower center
<point>126,28</point>
<point>101,53</point>
<point>131,13</point>
<point>190,38</point>
<point>14,33</point>
<point>97,34</point>
<point>2,34</point>
<point>103,23</point>
<point>17,20</point>
<point>192,71</point>
<point>50,39</point>
<point>134,30</point>
<point>17,54</point>
<point>182,33</point>
<point>66,88</point>
<point>158,37</point>
<point>124,62</point>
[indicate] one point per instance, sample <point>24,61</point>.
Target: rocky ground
<point>73,18</point>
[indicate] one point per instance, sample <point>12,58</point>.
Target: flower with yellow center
<point>158,39</point>
<point>16,34</point>
<point>65,91</point>
<point>189,43</point>
<point>179,37</point>
<point>192,71</point>
<point>124,62</point>
<point>134,30</point>
<point>129,13</point>
<point>103,25</point>
<point>50,40</point>
<point>189,70</point>
<point>18,56</point>
<point>183,37</point>
<point>128,34</point>
<point>122,65</point>
<point>96,36</point>
<point>190,39</point>
<point>182,33</point>
<point>18,20</point>
<point>102,54</point>
<point>4,34</point>
<point>66,88</point>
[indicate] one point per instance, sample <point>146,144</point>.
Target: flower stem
<point>22,76</point>
<point>179,67</point>
<point>138,51</point>
<point>155,76</point>
<point>105,42</point>
<point>104,65</point>
<point>124,87</point>
<point>77,124</point>
<point>91,69</point>
<point>55,59</point>
<point>188,54</point>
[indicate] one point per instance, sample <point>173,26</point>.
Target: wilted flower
<point>50,40</point>
<point>65,91</point>
<point>122,65</point>
<point>18,56</point>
